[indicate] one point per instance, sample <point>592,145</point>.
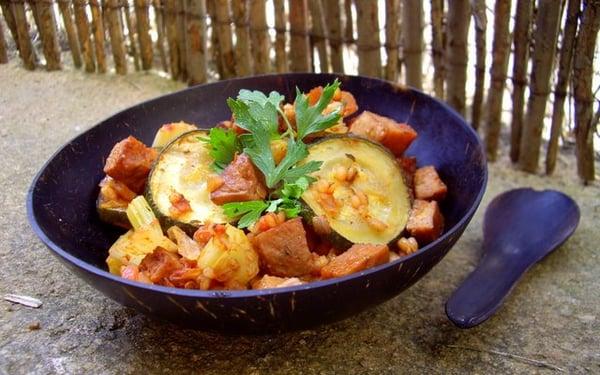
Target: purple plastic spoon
<point>520,228</point>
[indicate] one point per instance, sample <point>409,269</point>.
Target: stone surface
<point>553,315</point>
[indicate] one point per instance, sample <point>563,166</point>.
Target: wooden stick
<point>215,47</point>
<point>412,19</point>
<point>131,34</point>
<point>3,53</point>
<point>10,20</point>
<point>369,54</point>
<point>438,46</point>
<point>392,36</point>
<point>546,35</point>
<point>116,36</point>
<point>320,33</point>
<point>98,31</point>
<point>583,68</point>
<point>181,19</point>
<point>67,17</point>
<point>334,24</point>
<point>280,26</point>
<point>300,59</point>
<point>500,52</point>
<point>348,24</point>
<point>25,46</point>
<point>521,41</point>
<point>143,30</point>
<point>459,17</point>
<point>223,29</point>
<point>259,37</point>
<point>47,29</point>
<point>196,41</point>
<point>564,74</point>
<point>171,29</point>
<point>243,59</point>
<point>84,36</point>
<point>480,17</point>
<point>160,33</point>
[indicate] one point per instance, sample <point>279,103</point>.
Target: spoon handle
<point>484,289</point>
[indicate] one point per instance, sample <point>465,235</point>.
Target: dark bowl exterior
<point>61,210</point>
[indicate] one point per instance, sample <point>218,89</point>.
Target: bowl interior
<point>62,197</point>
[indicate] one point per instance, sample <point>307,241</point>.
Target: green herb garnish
<point>224,144</point>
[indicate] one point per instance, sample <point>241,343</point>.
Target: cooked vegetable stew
<point>279,195</point>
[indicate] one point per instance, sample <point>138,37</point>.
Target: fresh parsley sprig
<point>224,144</point>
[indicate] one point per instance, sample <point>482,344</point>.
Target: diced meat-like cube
<point>408,166</point>
<point>425,222</point>
<point>357,258</point>
<point>241,182</point>
<point>346,98</point>
<point>284,251</point>
<point>267,282</point>
<point>393,135</point>
<point>130,162</point>
<point>428,185</point>
<point>159,265</point>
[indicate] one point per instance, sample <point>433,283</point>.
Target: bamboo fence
<point>551,44</point>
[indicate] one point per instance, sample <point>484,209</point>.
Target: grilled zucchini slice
<point>183,167</point>
<point>359,190</point>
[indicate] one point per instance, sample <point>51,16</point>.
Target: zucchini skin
<point>114,216</point>
<point>337,240</point>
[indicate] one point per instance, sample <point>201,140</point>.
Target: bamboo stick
<point>392,35</point>
<point>583,68</point>
<point>131,34</point>
<point>521,40</point>
<point>348,23</point>
<point>243,59</point>
<point>172,37</point>
<point>412,19</point>
<point>369,54</point>
<point>215,48</point>
<point>459,17</point>
<point>10,20</point>
<point>259,37</point>
<point>223,29</point>
<point>47,29</point>
<point>67,17</point>
<point>300,59</point>
<point>564,73</point>
<point>3,53</point>
<point>83,35</point>
<point>196,41</point>
<point>320,33</point>
<point>143,31</point>
<point>437,46</point>
<point>480,17</point>
<point>500,52</point>
<point>116,36</point>
<point>160,33</point>
<point>546,35</point>
<point>182,35</point>
<point>280,26</point>
<point>334,24</point>
<point>98,31</point>
<point>25,46</point>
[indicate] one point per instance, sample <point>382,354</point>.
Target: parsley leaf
<point>249,211</point>
<point>248,96</point>
<point>309,119</point>
<point>223,146</point>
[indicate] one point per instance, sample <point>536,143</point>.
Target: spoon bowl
<point>520,228</point>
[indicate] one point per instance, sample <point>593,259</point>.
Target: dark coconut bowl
<point>61,209</point>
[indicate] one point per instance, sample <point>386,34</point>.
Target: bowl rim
<point>249,293</point>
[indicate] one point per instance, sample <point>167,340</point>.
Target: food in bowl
<point>279,195</point>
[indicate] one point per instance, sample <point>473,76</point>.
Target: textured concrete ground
<point>552,317</point>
